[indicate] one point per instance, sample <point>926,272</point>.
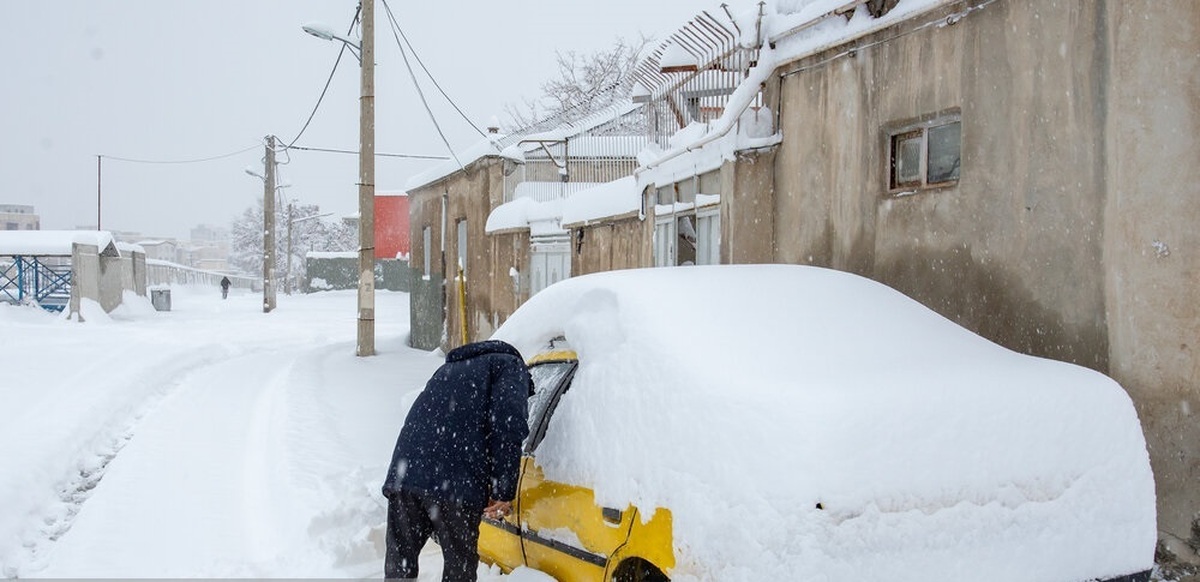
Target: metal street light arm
<point>324,32</point>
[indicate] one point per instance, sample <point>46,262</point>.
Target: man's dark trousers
<point>412,516</point>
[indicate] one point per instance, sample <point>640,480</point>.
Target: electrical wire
<point>189,161</point>
<point>328,81</point>
<point>417,85</point>
<point>377,154</point>
<point>396,24</point>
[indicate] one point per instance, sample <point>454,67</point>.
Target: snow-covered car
<point>796,423</point>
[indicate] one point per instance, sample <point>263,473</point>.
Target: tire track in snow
<point>58,514</point>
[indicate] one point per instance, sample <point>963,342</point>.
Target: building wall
<point>426,298</point>
<point>624,243</point>
<point>391,226</point>
<point>748,208</point>
<point>1152,241</point>
<point>19,217</point>
<point>85,277</point>
<point>115,273</point>
<point>1071,232</point>
<point>468,195</point>
<point>509,255</point>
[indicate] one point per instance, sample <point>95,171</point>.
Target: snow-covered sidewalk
<point>212,440</point>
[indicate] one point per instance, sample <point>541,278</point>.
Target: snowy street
<point>212,440</point>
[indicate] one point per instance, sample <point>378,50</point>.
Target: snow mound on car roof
<point>801,422</point>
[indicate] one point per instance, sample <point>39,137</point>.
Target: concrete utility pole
<point>269,227</point>
<point>98,171</point>
<point>366,187</point>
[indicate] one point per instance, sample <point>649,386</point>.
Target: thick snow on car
<point>796,423</point>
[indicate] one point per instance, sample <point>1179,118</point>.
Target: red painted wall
<point>391,226</point>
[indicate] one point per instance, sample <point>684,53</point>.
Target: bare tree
<point>585,83</point>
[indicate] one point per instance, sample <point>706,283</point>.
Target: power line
<point>417,85</point>
<point>377,154</point>
<point>188,161</point>
<point>329,80</point>
<point>392,17</point>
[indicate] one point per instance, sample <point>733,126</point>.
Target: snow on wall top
<point>537,206</point>
<point>51,242</point>
<point>331,254</point>
<point>615,198</point>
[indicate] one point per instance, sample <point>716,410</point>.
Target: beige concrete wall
<point>1152,241</point>
<point>116,275</point>
<point>137,262</point>
<point>85,277</point>
<point>748,211</point>
<point>612,245</point>
<point>468,195</point>
<point>509,252</point>
<point>1073,229</point>
<point>426,298</point>
<point>1013,250</point>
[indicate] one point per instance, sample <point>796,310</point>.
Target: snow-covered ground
<point>209,441</point>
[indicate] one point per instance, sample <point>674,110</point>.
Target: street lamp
<point>324,32</point>
<point>366,172</point>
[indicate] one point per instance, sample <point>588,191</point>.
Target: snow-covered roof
<point>511,146</point>
<point>803,423</point>
<point>52,242</point>
<point>541,218</point>
<point>488,146</point>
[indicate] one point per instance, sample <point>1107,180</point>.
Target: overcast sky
<point>188,79</point>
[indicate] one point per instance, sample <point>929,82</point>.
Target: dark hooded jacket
<point>462,439</point>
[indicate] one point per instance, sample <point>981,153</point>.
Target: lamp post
<point>366,173</point>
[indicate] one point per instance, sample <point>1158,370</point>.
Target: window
<point>708,237</point>
<point>427,243</point>
<point>925,155</point>
<point>462,246</point>
<point>547,378</point>
<point>664,241</point>
<point>549,261</point>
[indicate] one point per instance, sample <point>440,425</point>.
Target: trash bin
<point>160,299</point>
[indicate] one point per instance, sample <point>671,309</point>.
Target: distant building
<point>19,217</point>
<point>161,250</point>
<point>210,247</point>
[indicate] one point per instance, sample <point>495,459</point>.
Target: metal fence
<point>600,147</point>
<point>690,76</point>
<point>168,273</point>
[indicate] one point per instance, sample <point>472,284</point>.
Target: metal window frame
<point>897,132</point>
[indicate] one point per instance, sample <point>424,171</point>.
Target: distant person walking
<point>225,287</point>
<point>457,459</point>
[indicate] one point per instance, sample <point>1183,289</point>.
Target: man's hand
<point>497,509</point>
